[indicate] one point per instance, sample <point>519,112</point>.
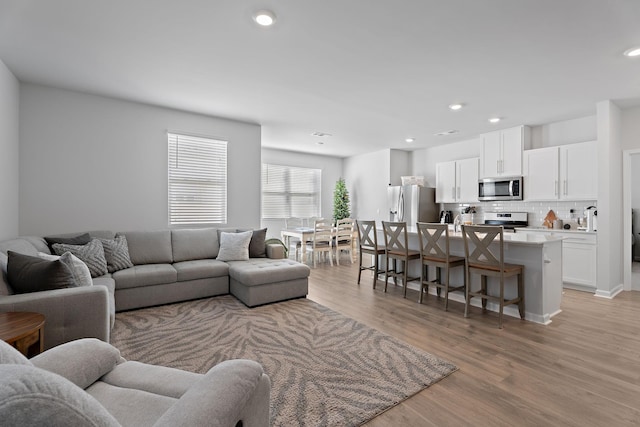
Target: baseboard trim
<point>609,294</point>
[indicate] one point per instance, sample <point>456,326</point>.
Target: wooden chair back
<point>322,233</point>
<point>477,242</point>
<point>367,236</point>
<point>344,231</point>
<point>434,240</point>
<point>395,237</point>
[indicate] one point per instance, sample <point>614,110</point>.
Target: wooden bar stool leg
<point>405,264</point>
<point>521,294</point>
<point>466,292</point>
<point>501,302</point>
<point>375,270</point>
<point>423,281</point>
<point>446,290</point>
<point>483,282</point>
<point>360,268</point>
<point>386,274</point>
<point>439,281</point>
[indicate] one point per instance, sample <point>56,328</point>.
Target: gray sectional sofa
<point>168,266</point>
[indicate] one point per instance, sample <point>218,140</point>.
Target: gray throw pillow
<point>234,246</point>
<point>4,282</point>
<point>257,247</point>
<point>91,254</point>
<point>33,274</point>
<point>80,271</point>
<point>116,252</point>
<point>81,239</point>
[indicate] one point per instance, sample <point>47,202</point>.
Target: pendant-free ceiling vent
<point>446,132</point>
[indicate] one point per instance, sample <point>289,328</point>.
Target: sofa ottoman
<point>262,280</point>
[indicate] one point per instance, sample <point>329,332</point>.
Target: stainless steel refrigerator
<point>412,203</point>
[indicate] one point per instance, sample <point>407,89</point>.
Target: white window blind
<point>197,180</point>
<point>289,191</point>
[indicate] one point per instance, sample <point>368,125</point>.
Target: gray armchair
<point>87,382</point>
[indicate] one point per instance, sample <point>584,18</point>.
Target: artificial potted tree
<point>340,201</point>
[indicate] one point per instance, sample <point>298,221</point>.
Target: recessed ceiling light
<point>446,132</point>
<point>633,52</point>
<point>455,107</point>
<point>265,18</point>
<point>321,134</point>
<point>410,140</point>
<point>494,119</point>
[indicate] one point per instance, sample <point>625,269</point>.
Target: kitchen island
<point>541,255</point>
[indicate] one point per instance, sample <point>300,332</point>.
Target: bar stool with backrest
<point>344,238</point>
<point>397,250</point>
<point>434,251</point>
<point>322,241</point>
<point>480,259</point>
<point>368,244</point>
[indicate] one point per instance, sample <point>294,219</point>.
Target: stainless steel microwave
<point>504,188</point>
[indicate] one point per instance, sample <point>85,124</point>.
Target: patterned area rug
<point>326,369</point>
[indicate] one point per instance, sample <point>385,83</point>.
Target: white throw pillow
<point>79,270</point>
<point>234,246</point>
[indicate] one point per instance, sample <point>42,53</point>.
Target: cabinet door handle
<point>458,193</point>
<point>498,166</point>
<point>556,187</point>
<point>453,193</point>
<point>566,187</point>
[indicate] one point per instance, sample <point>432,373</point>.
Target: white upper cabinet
<point>457,181</point>
<point>541,174</point>
<point>467,179</point>
<point>501,153</point>
<point>446,182</point>
<point>567,172</point>
<point>579,171</point>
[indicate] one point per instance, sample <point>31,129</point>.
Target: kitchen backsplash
<point>537,210</point>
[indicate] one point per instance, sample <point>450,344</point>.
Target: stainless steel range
<point>509,220</point>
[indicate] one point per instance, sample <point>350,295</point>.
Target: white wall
<point>610,216</point>
<point>399,165</point>
<point>9,153</point>
<point>331,172</point>
<point>367,177</point>
<point>565,132</point>
<point>91,162</point>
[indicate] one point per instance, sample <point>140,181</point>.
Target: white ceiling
<point>369,72</point>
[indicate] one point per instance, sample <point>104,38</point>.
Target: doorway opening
<point>631,215</point>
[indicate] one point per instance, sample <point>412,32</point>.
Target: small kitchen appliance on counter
<point>509,220</point>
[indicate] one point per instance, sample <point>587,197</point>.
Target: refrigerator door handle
<point>401,206</point>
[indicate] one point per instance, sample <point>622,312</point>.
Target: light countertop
<point>555,230</point>
<point>528,239</point>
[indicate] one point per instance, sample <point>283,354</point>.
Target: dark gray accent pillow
<point>91,254</point>
<point>81,239</point>
<point>116,252</point>
<point>257,247</point>
<point>33,274</point>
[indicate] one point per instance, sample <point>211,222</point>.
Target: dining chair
<point>322,242</point>
<point>434,251</point>
<point>344,238</point>
<point>397,250</point>
<point>368,244</point>
<point>485,258</point>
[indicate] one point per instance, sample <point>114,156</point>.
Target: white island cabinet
<point>541,255</point>
<point>579,257</point>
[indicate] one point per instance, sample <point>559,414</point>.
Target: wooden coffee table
<point>24,331</point>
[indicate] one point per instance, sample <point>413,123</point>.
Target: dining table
<point>304,234</point>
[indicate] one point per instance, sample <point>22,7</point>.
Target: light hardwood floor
<point>581,370</point>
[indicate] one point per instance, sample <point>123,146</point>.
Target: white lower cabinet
<point>579,258</point>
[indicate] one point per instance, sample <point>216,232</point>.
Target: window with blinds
<point>197,180</point>
<point>289,191</point>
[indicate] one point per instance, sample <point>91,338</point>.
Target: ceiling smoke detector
<point>446,132</point>
<point>321,134</point>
